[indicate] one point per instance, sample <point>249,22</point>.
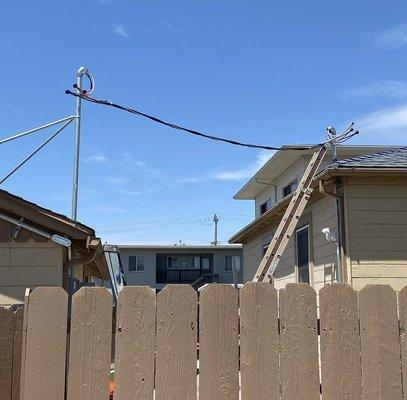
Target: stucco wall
<point>148,277</point>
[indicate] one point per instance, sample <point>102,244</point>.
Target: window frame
<point>137,256</point>
<point>232,257</point>
<point>266,203</point>
<point>290,185</point>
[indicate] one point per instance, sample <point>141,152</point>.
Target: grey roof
<point>395,158</point>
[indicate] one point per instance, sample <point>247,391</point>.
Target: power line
<point>85,96</point>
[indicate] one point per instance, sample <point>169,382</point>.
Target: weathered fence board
<point>159,355</point>
<point>46,344</point>
<point>299,343</point>
<point>135,344</point>
<point>380,349</point>
<point>402,301</point>
<point>90,345</point>
<point>176,359</point>
<point>17,352</point>
<point>6,352</point>
<point>340,345</point>
<point>218,343</point>
<point>259,342</point>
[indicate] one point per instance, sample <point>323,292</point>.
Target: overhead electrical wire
<point>83,94</point>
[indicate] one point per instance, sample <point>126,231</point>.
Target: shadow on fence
<point>255,344</point>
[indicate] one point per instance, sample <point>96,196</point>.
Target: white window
<point>303,254</point>
<point>136,263</point>
<point>232,263</point>
<point>171,262</point>
<point>195,262</point>
<point>290,188</point>
<point>265,206</point>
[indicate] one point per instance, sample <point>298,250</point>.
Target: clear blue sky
<point>260,71</point>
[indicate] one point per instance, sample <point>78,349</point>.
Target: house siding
<point>318,215</point>
<point>377,230</point>
<point>28,265</point>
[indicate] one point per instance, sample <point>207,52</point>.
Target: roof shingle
<point>395,158</point>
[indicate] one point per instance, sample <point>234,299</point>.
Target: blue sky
<point>261,71</point>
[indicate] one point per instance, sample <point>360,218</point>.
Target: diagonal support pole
<point>43,144</point>
<point>39,128</point>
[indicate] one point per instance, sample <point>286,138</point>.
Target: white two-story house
<point>359,236</point>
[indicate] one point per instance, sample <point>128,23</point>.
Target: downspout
<point>338,216</point>
<point>338,209</point>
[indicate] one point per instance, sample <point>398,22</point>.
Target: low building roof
<point>179,247</point>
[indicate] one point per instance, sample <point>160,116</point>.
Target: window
<point>195,262</point>
<point>264,248</point>
<point>302,239</point>
<point>265,206</point>
<point>136,263</point>
<point>232,263</point>
<point>171,262</point>
<point>290,188</point>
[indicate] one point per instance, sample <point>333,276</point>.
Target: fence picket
<point>340,345</point>
<point>135,344</point>
<point>299,343</point>
<point>218,343</point>
<point>17,352</point>
<point>90,344</point>
<point>45,355</point>
<point>259,342</point>
<point>380,350</point>
<point>6,352</point>
<point>402,301</point>
<point>176,343</point>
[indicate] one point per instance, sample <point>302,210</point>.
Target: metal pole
<point>216,220</point>
<point>35,151</point>
<point>25,133</point>
<point>81,71</point>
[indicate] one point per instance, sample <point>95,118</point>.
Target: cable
<point>85,96</point>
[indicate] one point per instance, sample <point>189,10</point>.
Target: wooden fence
<point>11,334</point>
<point>253,345</point>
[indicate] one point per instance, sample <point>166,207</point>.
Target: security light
<point>61,240</point>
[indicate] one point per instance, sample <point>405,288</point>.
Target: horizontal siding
<point>318,215</point>
<point>378,231</point>
<point>31,276</point>
<point>36,256</point>
<point>10,295</point>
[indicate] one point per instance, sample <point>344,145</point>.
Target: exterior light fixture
<point>61,240</point>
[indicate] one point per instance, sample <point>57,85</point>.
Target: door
<point>303,254</point>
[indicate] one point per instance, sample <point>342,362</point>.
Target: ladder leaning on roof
<point>295,209</point>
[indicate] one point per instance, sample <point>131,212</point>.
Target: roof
<point>386,160</point>
<point>83,236</point>
<point>44,217</point>
<point>281,160</point>
<point>179,247</point>
<point>394,158</point>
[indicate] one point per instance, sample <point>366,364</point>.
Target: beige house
<point>358,236</point>
<point>35,250</point>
